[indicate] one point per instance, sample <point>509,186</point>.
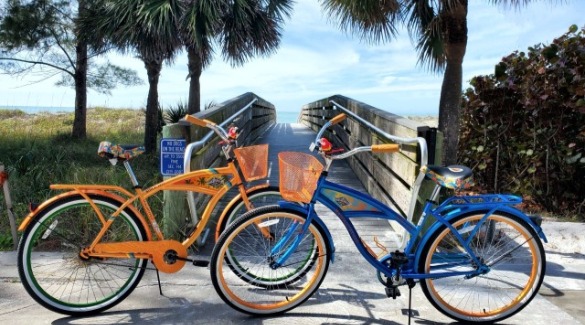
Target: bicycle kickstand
<point>410,311</point>
<point>158,279</point>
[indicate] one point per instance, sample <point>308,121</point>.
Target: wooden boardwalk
<point>298,137</point>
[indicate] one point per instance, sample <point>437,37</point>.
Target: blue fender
<point>470,209</point>
<point>303,209</point>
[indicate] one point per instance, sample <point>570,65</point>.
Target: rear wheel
<point>52,270</point>
<point>511,264</point>
<point>243,267</point>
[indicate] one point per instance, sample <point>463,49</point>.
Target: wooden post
<point>4,184</point>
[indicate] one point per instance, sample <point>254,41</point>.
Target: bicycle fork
<point>292,237</point>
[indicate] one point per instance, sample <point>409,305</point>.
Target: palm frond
<point>200,22</point>
<point>144,26</point>
<point>280,9</point>
<point>251,28</point>
<point>371,20</point>
<point>175,113</point>
<point>423,21</point>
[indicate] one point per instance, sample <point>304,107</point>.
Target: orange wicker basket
<point>299,173</point>
<point>253,161</point>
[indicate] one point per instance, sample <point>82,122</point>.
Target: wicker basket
<point>299,173</point>
<point>253,161</point>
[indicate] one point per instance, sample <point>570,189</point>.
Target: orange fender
<point>233,202</point>
<point>25,223</point>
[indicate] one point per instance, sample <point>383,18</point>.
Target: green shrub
<point>175,113</point>
<point>523,128</point>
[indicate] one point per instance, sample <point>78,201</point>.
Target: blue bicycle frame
<point>348,203</point>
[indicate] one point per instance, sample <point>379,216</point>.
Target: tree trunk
<point>153,68</point>
<point>455,29</point>
<point>80,120</point>
<point>195,66</point>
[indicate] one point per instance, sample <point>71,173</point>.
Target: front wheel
<point>506,275</point>
<point>259,198</point>
<point>243,269</point>
<point>55,274</point>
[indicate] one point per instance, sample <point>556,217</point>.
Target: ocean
<point>287,116</point>
<point>281,116</point>
<point>39,109</point>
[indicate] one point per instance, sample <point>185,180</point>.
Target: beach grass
<point>37,150</point>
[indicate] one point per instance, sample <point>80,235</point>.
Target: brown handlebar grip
<point>193,120</point>
<point>385,148</point>
<point>338,118</point>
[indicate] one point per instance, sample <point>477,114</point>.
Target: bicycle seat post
<point>131,173</point>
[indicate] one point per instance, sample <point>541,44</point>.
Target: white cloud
<point>317,60</point>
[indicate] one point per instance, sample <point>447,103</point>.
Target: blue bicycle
<point>481,260</point>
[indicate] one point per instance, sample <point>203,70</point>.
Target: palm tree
<point>121,25</point>
<point>158,29</point>
<point>439,29</point>
<point>244,29</point>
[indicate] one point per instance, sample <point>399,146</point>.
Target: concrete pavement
<point>350,294</point>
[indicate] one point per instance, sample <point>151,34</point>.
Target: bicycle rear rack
<point>483,199</point>
<point>486,200</point>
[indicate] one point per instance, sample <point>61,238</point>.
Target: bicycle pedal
<point>201,263</point>
<point>392,292</point>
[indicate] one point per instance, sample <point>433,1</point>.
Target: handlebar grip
<point>193,120</point>
<point>385,148</point>
<point>338,118</point>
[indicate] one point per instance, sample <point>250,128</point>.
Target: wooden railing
<point>250,113</point>
<point>389,178</point>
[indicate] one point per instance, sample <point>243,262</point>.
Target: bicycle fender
<point>303,209</point>
<point>232,203</point>
<point>32,215</point>
<point>465,210</point>
<point>503,208</point>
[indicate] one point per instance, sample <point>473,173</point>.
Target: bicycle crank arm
<point>199,263</point>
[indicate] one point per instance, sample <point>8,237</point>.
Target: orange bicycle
<point>85,250</point>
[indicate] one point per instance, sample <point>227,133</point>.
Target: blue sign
<point>172,152</point>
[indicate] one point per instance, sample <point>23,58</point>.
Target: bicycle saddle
<point>119,151</point>
<point>455,177</point>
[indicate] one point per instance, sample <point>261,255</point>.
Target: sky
<point>316,60</point>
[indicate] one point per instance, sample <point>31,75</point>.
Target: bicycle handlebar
<point>338,118</point>
<point>335,120</point>
<point>193,120</point>
<point>385,148</point>
<point>208,124</point>
<point>374,148</point>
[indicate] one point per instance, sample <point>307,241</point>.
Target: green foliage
<point>24,25</point>
<point>104,78</point>
<point>523,128</point>
<point>9,113</point>
<point>37,150</point>
<point>175,113</point>
<point>41,33</point>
